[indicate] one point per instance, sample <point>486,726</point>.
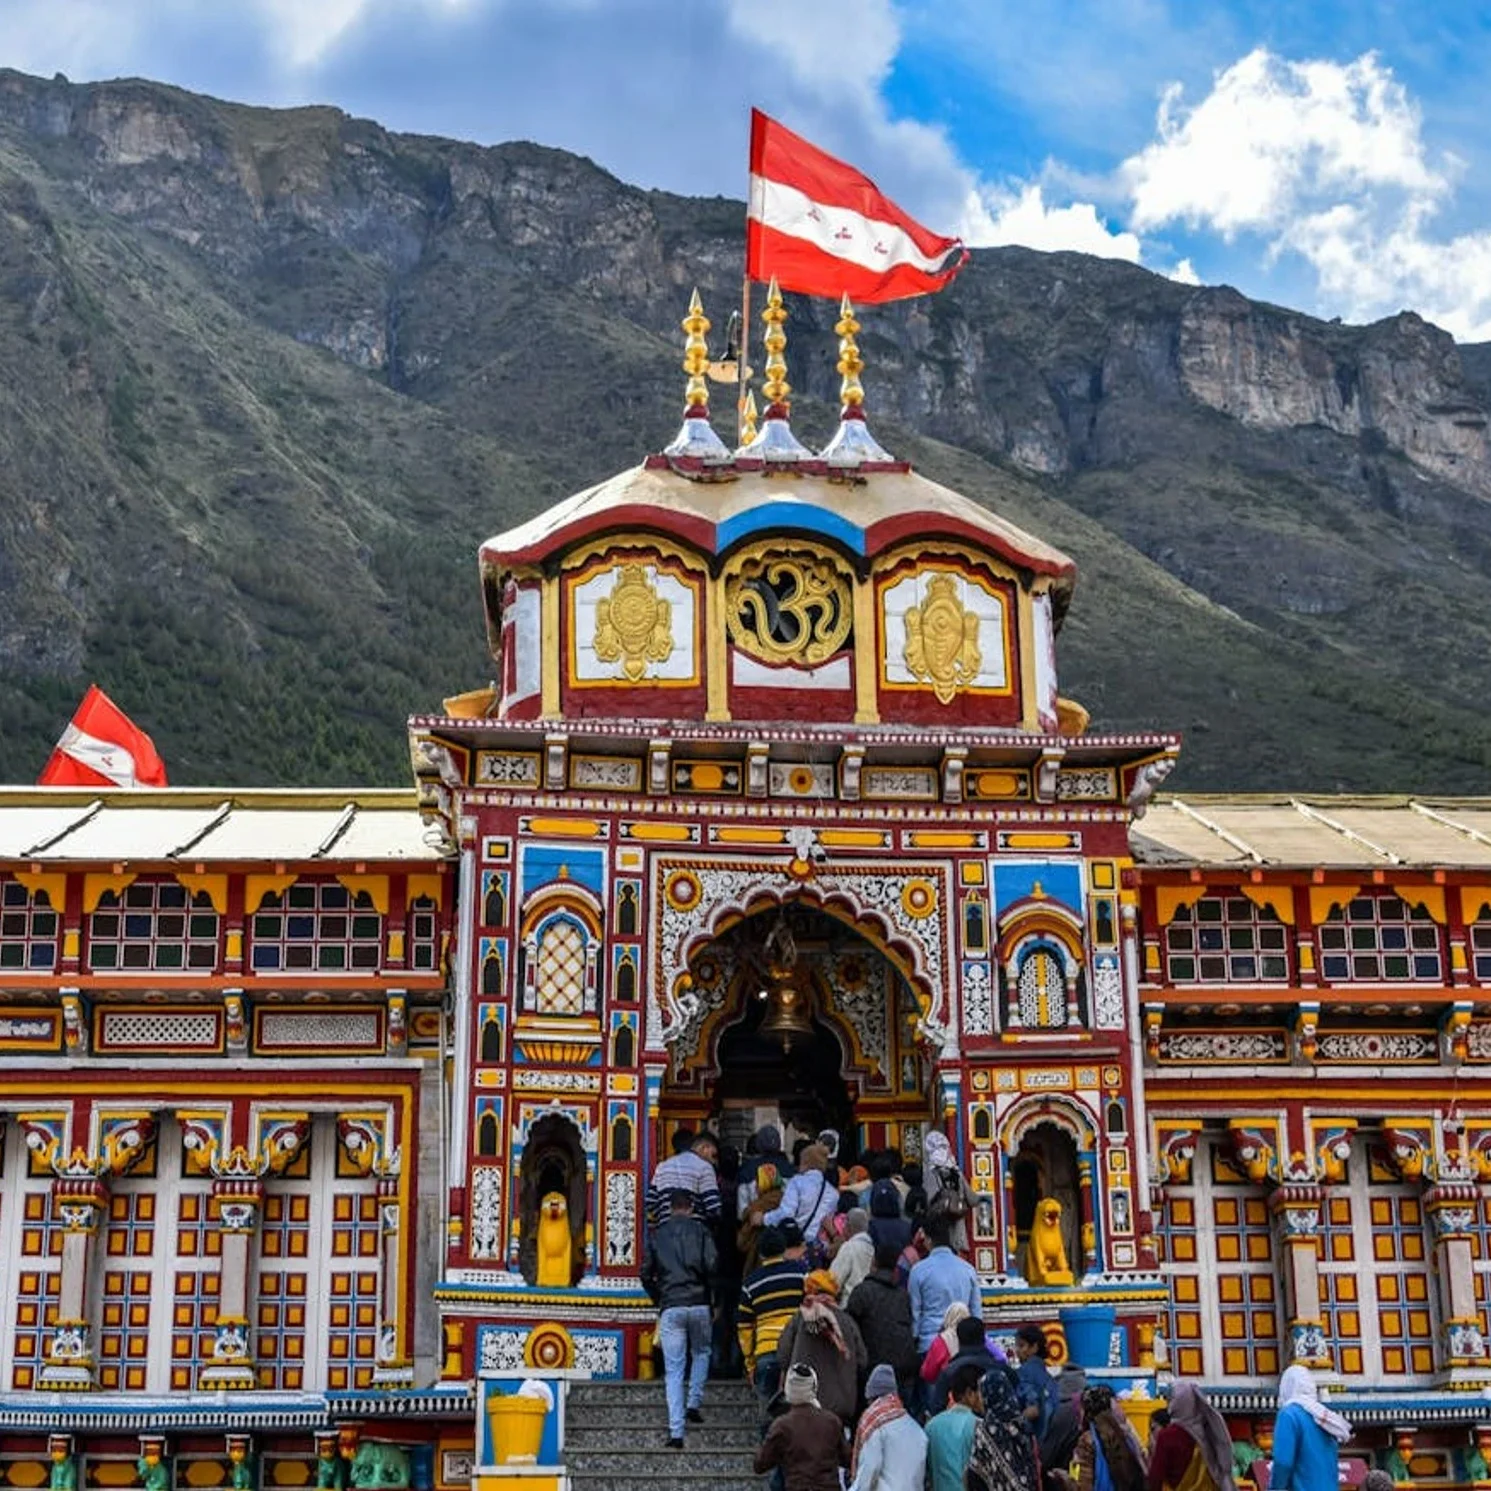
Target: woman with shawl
<point>825,1338</point>
<point>1003,1456</point>
<point>945,1347</point>
<point>1307,1437</point>
<point>949,1196</point>
<point>1107,1457</point>
<point>1193,1452</point>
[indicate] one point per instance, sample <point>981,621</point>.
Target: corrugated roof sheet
<point>1309,831</point>
<point>46,825</point>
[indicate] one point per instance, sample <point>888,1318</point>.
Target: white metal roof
<point>198,824</point>
<point>1308,831</point>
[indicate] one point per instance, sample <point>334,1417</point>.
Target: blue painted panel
<point>1059,880</point>
<point>786,515</point>
<point>541,866</point>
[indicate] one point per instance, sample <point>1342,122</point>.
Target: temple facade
<point>316,1110</point>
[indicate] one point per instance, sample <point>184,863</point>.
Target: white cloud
<point>1184,273</point>
<point>1326,161</point>
<point>1022,216</point>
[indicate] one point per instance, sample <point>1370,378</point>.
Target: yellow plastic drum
<point>517,1428</point>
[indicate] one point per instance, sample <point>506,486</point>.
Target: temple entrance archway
<point>852,1057</point>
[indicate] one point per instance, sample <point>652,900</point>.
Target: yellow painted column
<point>866,655</point>
<point>716,652</point>
<point>549,643</point>
<point>1030,718</point>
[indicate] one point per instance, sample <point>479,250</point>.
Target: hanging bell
<point>789,1015</point>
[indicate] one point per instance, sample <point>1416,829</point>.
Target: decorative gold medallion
<point>789,606</point>
<point>634,624</point>
<point>942,640</point>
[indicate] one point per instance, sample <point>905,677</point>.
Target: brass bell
<point>789,1014</point>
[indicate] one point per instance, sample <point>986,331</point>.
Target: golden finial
<point>696,439</point>
<point>776,388</point>
<point>696,357</point>
<point>748,420</point>
<point>850,364</point>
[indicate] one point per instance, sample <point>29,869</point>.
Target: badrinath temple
<point>326,1117</point>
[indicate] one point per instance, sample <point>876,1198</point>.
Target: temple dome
<point>737,589</point>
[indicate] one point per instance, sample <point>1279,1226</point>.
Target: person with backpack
<point>810,1198</point>
<point>949,1196</point>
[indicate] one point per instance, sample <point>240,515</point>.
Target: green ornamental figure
<point>64,1473</point>
<point>242,1476</point>
<point>154,1476</point>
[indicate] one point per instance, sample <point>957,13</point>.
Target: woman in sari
<point>1003,1456</point>
<point>1193,1452</point>
<point>1107,1457</point>
<point>945,1347</point>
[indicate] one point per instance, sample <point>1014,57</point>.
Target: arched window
<point>626,980</point>
<point>983,1125</point>
<point>486,1135</point>
<point>621,1140</point>
<point>491,973</point>
<point>1117,1119</point>
<point>626,911</point>
<point>1042,991</point>
<point>975,926</point>
<point>559,975</point>
<point>491,1039</point>
<point>623,1046</point>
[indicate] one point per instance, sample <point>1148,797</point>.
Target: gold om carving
<point>942,640</point>
<point>794,607</point>
<point>634,625</point>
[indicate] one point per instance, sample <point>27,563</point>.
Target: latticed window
<point>1376,938</point>
<point>1226,939</point>
<point>559,977</point>
<point>153,926</point>
<point>1042,991</point>
<point>1480,950</point>
<point>28,929</point>
<point>317,926</point>
<point>424,935</point>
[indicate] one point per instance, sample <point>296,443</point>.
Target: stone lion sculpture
<point>1045,1253</point>
<point>555,1246</point>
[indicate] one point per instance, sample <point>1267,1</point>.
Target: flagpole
<point>742,353</point>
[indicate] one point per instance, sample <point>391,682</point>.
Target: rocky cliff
<point>268,377</point>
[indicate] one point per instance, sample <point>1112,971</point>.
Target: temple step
<point>614,1433</point>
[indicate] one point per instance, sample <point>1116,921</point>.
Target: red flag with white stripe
<point>103,747</point>
<point>823,228</point>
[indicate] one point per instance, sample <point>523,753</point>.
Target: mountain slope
<point>267,378</point>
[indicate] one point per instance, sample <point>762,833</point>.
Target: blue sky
<point>1331,155</point>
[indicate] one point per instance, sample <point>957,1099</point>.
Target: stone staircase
<point>615,1433</point>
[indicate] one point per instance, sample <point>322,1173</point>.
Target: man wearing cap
<point>681,1274</point>
<point>769,1297</point>
<point>890,1449</point>
<point>806,1445</point>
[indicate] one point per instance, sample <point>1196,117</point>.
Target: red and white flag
<point>823,228</point>
<point>103,747</point>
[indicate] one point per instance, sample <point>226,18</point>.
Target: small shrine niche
<point>1045,1168</point>
<point>551,1204</point>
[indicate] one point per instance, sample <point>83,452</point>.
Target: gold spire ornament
<point>776,388</point>
<point>775,442</point>
<point>852,444</point>
<point>696,438</point>
<point>850,363</point>
<point>748,422</point>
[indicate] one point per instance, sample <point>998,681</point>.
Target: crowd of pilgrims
<point>845,1296</point>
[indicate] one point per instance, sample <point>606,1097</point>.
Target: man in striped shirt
<point>770,1296</point>
<point>689,1168</point>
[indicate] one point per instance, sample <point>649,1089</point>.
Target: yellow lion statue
<point>555,1246</point>
<point>1045,1253</point>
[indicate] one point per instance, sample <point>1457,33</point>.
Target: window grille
<point>1226,939</point>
